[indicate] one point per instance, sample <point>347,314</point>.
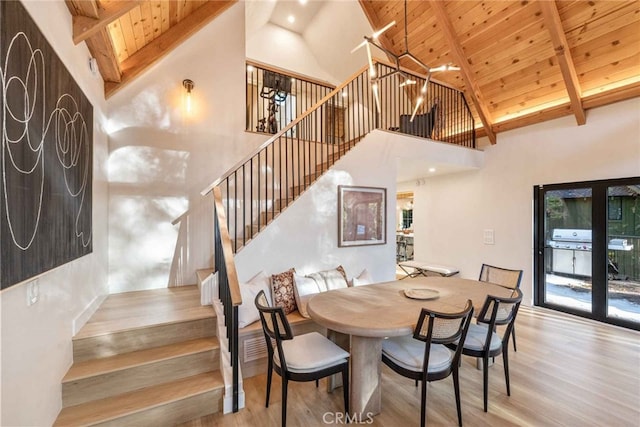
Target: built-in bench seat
<point>252,347</point>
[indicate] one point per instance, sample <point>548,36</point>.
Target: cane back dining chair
<point>307,357</point>
<point>424,356</point>
<point>482,340</point>
<point>503,277</point>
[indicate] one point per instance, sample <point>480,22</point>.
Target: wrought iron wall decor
<point>47,154</point>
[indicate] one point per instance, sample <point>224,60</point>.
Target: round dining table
<point>368,314</point>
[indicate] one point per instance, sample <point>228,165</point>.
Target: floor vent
<point>254,349</point>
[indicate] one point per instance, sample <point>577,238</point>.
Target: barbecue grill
<point>571,251</point>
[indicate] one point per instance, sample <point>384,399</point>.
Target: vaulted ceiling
<point>522,62</point>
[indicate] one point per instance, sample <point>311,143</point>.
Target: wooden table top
<point>383,310</point>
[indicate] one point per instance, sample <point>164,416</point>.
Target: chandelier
<point>405,78</point>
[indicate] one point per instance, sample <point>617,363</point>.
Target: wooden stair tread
<point>129,403</point>
<point>105,365</point>
<point>202,274</point>
<point>123,325</point>
<point>139,309</point>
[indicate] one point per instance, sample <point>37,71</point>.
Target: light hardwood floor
<point>567,372</point>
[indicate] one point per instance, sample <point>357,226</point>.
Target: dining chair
<point>482,340</point>
<point>424,356</point>
<point>503,277</point>
<point>307,357</point>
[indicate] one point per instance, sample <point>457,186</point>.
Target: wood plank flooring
<point>567,372</point>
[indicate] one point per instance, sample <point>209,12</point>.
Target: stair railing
<point>263,184</point>
<point>229,290</point>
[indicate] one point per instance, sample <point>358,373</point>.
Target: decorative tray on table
<point>421,293</point>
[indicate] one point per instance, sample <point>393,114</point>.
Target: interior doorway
<point>404,226</point>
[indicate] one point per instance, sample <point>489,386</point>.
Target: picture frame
<point>362,216</point>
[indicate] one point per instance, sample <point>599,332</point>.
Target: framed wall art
<point>362,216</point>
<point>47,154</point>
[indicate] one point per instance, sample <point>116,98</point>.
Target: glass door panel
<point>567,248</point>
<point>623,253</point>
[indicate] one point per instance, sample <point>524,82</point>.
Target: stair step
<point>100,378</point>
<point>127,340</point>
<point>166,404</point>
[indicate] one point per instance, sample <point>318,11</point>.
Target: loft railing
<point>276,97</point>
<point>259,187</point>
<point>229,290</point>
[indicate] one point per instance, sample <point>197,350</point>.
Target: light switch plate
<point>489,237</point>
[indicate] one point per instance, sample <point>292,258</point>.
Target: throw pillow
<point>305,288</point>
<point>247,311</point>
<point>363,278</point>
<point>330,279</point>
<point>282,285</point>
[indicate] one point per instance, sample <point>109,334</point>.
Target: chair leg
<point>505,359</point>
<point>317,383</point>
<point>345,389</point>
<point>513,334</point>
<point>269,376</point>
<point>284,401</point>
<point>456,388</point>
<point>416,383</point>
<point>423,405</point>
<point>485,379</point>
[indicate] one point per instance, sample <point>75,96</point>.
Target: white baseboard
<point>86,314</point>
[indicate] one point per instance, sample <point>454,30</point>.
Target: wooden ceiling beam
<point>83,8</point>
<point>461,60</point>
<point>101,48</point>
<point>563,53</point>
<point>99,42</point>
<point>86,26</point>
<point>592,101</point>
<point>166,42</point>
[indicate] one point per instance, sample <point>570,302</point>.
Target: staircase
<point>267,215</point>
<point>144,358</point>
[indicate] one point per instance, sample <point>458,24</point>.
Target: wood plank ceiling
<point>127,37</point>
<point>522,62</point>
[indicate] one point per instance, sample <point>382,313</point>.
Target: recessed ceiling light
<point>302,2</point>
<point>291,19</point>
<point>432,170</point>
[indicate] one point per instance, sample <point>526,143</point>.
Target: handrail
<point>230,265</point>
<point>287,128</point>
<point>229,292</point>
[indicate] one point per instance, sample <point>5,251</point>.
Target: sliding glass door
<point>587,241</point>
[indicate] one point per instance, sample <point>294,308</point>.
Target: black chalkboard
<point>46,163</point>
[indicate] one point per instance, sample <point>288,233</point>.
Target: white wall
<point>285,49</point>
<point>160,158</point>
<point>304,236</point>
<point>500,196</point>
<point>332,48</point>
<point>36,340</point>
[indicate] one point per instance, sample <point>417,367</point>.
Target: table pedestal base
<point>366,357</point>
